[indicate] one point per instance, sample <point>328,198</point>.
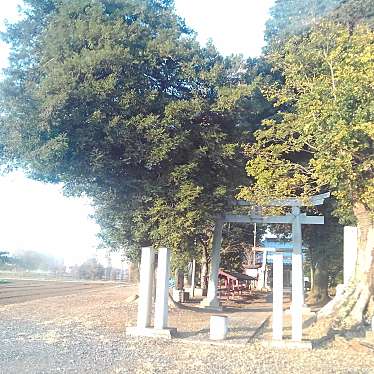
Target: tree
<point>117,100</point>
<point>354,12</point>
<point>91,269</point>
<point>290,17</point>
<point>323,140</point>
<point>324,254</point>
<point>4,258</point>
<point>237,247</point>
<point>295,17</point>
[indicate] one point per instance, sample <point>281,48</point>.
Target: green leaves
<point>117,100</point>
<point>324,139</point>
<point>290,17</point>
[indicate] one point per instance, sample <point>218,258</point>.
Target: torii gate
<point>296,219</point>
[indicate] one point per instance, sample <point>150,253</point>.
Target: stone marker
<point>218,327</point>
<point>277,296</point>
<point>143,328</point>
<point>162,290</point>
<point>261,283</point>
<point>146,287</point>
<point>350,252</point>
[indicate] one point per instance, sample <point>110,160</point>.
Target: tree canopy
<point>290,17</point>
<point>117,100</point>
<point>321,138</point>
<point>324,136</point>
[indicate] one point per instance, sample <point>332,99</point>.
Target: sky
<point>235,26</point>
<point>36,216</point>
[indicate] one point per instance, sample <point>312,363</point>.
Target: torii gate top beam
<point>311,201</point>
<point>288,218</point>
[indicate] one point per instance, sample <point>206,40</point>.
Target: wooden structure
<point>233,282</point>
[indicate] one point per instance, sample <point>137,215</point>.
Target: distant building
<point>263,270</point>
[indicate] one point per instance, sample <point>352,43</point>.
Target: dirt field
<point>84,332</point>
<point>19,291</point>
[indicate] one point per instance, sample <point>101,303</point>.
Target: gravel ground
<point>29,348</point>
<point>85,334</point>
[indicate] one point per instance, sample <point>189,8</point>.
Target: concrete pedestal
<point>150,332</point>
<point>218,327</point>
<point>213,305</point>
<point>287,344</point>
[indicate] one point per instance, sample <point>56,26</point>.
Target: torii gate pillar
<point>297,277</point>
<point>211,301</point>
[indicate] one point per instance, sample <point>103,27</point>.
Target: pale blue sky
<point>37,216</point>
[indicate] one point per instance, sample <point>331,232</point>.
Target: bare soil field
<point>84,332</point>
<point>19,291</point>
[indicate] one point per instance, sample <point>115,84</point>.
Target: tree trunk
<point>204,268</point>
<point>179,279</point>
<point>347,310</point>
<point>311,277</point>
<point>319,280</point>
<point>134,275</point>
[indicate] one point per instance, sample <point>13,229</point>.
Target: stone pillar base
<point>167,333</point>
<point>305,310</point>
<point>211,304</point>
<point>287,344</point>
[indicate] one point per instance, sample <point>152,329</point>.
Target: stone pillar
<point>261,283</point>
<point>146,287</point>
<point>278,296</point>
<point>193,276</point>
<point>211,300</point>
<point>162,290</point>
<point>350,252</point>
<point>265,280</point>
<point>297,278</point>
<point>154,282</point>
